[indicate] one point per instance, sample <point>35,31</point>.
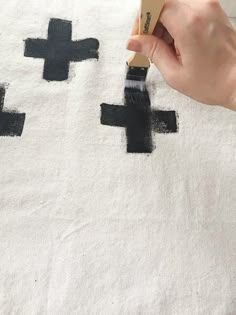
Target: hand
<point>194,48</point>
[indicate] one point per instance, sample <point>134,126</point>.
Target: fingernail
<point>133,45</point>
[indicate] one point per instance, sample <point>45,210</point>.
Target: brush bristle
<point>136,73</point>
<point>137,97</point>
<point>136,77</point>
<point>138,85</point>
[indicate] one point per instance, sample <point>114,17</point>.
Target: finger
<point>159,30</point>
<point>161,54</point>
<point>173,15</point>
<point>167,37</point>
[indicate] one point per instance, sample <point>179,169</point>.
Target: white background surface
<point>86,228</point>
<point>229,6</point>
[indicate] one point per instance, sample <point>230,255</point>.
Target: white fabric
<point>86,228</point>
<point>229,6</point>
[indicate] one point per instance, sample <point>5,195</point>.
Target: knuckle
<point>213,4</point>
<point>168,4</point>
<point>193,20</point>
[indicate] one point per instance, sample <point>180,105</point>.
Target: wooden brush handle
<point>149,15</point>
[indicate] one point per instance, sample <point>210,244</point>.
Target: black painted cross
<point>59,50</point>
<point>139,120</point>
<point>11,123</point>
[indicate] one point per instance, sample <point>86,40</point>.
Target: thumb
<point>161,54</point>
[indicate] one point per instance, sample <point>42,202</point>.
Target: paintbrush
<point>138,65</point>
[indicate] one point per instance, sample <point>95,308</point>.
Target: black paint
<point>11,123</point>
<point>59,50</point>
<point>139,120</point>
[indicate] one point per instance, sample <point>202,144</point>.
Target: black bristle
<point>137,97</point>
<point>137,74</point>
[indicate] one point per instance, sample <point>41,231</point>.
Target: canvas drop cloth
<point>87,228</point>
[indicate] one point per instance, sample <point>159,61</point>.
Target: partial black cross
<point>139,120</point>
<point>11,123</point>
<point>59,50</point>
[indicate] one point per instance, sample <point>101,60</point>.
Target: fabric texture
<point>229,6</point>
<point>87,228</point>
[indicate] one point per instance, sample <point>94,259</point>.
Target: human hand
<point>194,48</point>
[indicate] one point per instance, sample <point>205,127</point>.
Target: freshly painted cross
<point>59,50</point>
<point>139,120</point>
<point>11,123</point>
